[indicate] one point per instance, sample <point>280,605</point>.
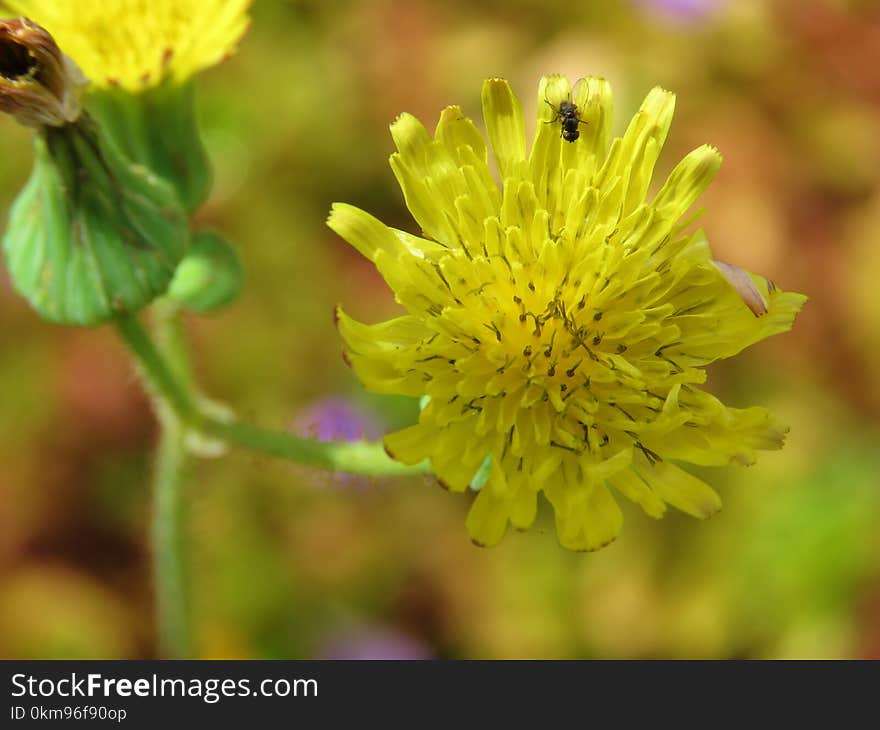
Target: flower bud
<point>209,277</point>
<point>157,127</point>
<point>91,235</point>
<point>39,85</point>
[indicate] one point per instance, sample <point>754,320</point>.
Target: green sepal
<point>157,127</point>
<point>91,235</point>
<point>209,277</point>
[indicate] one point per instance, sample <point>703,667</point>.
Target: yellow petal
<point>366,233</point>
<point>455,465</point>
<point>487,519</point>
<point>587,516</point>
<point>504,122</point>
<point>456,131</point>
<point>553,161</point>
<point>524,507</point>
<point>429,178</point>
<point>713,320</point>
<point>718,435</point>
<point>634,488</point>
<point>687,182</point>
<point>680,489</point>
<point>412,444</point>
<point>632,159</point>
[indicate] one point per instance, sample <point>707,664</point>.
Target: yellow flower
<point>137,44</point>
<point>560,322</point>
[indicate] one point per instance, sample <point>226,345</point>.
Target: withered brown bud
<point>39,85</point>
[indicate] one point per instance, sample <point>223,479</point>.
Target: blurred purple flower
<point>335,419</point>
<point>374,642</point>
<point>683,11</point>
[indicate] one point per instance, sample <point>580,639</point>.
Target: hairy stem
<point>168,539</point>
<point>363,457</point>
<point>161,380</point>
<point>173,405</point>
<point>170,384</point>
<point>166,372</point>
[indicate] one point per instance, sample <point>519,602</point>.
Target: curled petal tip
<point>740,280</point>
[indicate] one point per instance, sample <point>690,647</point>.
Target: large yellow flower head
<point>560,323</point>
<point>137,44</point>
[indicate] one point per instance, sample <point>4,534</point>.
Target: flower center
<point>560,342</point>
<point>542,327</point>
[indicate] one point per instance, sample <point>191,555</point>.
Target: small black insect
<point>567,113</point>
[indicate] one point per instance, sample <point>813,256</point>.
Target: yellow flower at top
<point>137,44</point>
<point>560,323</point>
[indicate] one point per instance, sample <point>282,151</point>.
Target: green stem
<point>363,457</point>
<point>171,341</point>
<point>162,371</point>
<point>167,374</point>
<point>154,366</point>
<point>168,529</point>
<point>358,458</point>
<point>170,387</point>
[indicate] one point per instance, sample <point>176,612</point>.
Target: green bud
<point>157,127</point>
<point>209,277</point>
<point>91,235</point>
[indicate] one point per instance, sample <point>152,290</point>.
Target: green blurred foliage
<point>283,559</point>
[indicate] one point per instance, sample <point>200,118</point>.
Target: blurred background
<point>289,563</point>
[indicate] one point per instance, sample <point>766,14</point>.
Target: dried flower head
<point>39,85</point>
<point>560,322</point>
